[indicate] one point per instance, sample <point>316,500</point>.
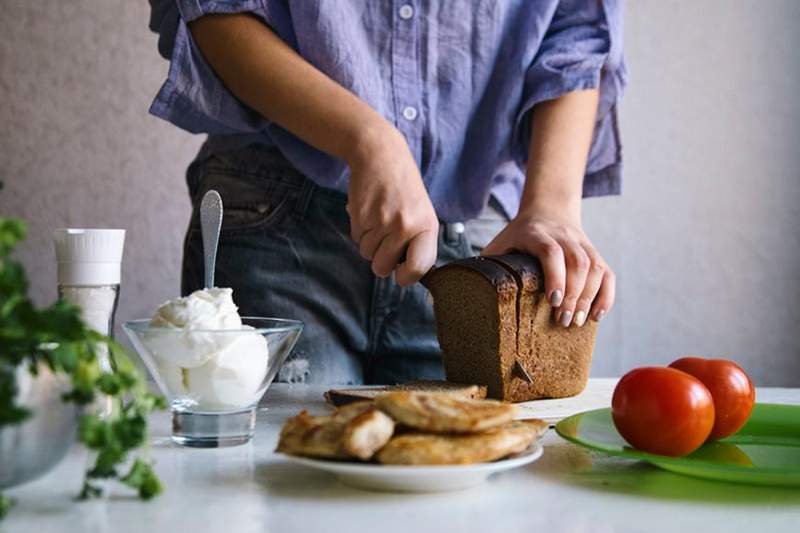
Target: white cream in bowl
<point>213,370</point>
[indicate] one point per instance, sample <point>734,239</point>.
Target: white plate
<point>439,478</point>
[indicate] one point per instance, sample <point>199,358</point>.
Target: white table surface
<point>250,489</point>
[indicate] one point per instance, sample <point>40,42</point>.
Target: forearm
<point>269,76</point>
<point>578,282</point>
<point>561,133</point>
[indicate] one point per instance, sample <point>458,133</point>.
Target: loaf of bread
<point>496,328</point>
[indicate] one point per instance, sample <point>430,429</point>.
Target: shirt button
<point>409,113</point>
<point>459,227</point>
<point>406,11</point>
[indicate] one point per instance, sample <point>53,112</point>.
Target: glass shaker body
<point>98,304</point>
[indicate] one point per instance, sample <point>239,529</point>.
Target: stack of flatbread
<point>412,428</point>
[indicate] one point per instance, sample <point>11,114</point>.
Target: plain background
<point>704,239</point>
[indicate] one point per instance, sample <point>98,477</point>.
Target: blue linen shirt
<point>457,78</point>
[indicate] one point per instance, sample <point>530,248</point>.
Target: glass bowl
<point>214,379</point>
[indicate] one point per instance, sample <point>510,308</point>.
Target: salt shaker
<point>89,273</point>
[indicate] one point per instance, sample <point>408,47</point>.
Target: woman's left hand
<point>578,282</point>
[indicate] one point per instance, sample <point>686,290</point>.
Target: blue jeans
<point>286,251</point>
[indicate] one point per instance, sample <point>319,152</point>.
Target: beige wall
<point>704,239</point>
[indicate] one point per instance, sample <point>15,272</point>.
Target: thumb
<point>497,246</point>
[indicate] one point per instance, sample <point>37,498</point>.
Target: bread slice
<point>541,360</point>
<point>357,394</point>
<point>475,303</point>
<point>527,275</point>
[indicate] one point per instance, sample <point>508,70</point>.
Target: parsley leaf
<point>56,336</point>
<point>5,505</point>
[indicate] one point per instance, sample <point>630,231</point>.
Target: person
<point>356,144</point>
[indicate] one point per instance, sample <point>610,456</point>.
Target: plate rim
<point>658,460</point>
<point>529,455</point>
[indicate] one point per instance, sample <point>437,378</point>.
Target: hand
<point>578,282</point>
<point>390,211</point>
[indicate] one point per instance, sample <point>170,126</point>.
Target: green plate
<point>766,451</point>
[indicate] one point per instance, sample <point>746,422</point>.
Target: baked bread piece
<point>356,430</point>
<point>429,449</point>
<point>544,360</point>
<point>475,302</point>
<point>444,413</point>
<point>346,396</point>
<point>527,276</point>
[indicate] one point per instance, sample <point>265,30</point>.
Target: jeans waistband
<point>266,168</point>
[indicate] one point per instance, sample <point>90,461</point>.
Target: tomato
<point>730,387</point>
<point>662,410</point>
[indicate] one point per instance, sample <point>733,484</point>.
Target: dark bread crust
<point>556,359</point>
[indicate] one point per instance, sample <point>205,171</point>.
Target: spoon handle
<point>210,224</point>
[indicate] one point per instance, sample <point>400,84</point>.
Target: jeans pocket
<point>252,202</point>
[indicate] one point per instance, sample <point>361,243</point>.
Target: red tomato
<point>662,410</point>
<point>731,388</point>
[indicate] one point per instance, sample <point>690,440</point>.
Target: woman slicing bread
<point>356,143</point>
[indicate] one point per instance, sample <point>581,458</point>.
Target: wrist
<point>553,206</point>
<point>370,140</point>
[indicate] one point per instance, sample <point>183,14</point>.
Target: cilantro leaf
<point>57,337</point>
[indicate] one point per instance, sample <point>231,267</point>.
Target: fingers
<point>356,231</point>
<point>370,241</point>
<point>605,296</point>
<point>384,251</point>
<point>594,280</point>
<point>578,283</point>
<point>551,256</point>
<point>420,257</point>
<point>387,255</point>
<point>577,264</point>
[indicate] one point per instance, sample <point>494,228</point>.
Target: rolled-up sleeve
<point>193,97</point>
<point>581,50</point>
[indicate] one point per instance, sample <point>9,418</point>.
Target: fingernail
<point>580,318</point>
<point>566,318</point>
<point>600,315</point>
<point>556,297</point>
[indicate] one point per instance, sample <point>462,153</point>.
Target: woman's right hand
<point>389,207</point>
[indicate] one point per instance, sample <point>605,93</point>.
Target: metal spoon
<point>210,224</point>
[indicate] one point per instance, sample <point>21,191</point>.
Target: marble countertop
<point>250,489</point>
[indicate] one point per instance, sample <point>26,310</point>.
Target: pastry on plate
<point>444,413</point>
<point>437,449</point>
<point>356,430</point>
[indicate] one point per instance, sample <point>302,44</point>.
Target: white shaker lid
<point>89,256</point>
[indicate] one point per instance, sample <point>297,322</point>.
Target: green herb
<point>56,336</point>
<point>5,505</point>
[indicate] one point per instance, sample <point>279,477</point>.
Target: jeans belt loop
<point>304,198</point>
